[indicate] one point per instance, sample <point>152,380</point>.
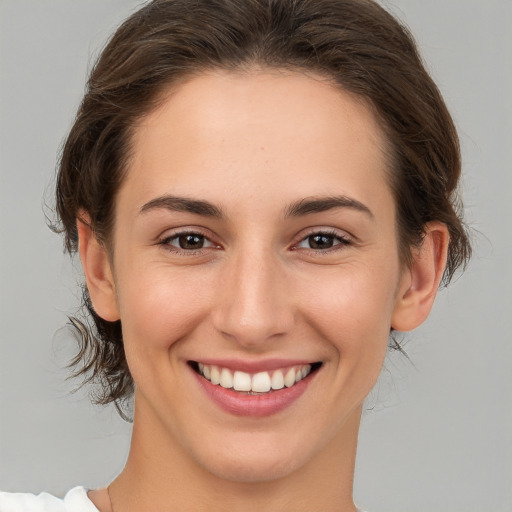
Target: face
<point>255,248</point>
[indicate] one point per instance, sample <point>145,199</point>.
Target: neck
<point>161,475</point>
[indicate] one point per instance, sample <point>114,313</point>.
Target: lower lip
<point>242,404</point>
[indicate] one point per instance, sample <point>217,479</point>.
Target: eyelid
<point>164,240</point>
<point>189,233</point>
<point>342,236</point>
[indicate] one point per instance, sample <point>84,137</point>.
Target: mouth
<point>255,384</point>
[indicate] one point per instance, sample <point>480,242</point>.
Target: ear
<point>420,281</point>
<point>97,269</point>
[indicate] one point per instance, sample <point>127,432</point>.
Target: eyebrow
<point>306,206</point>
<point>183,204</point>
<point>311,205</point>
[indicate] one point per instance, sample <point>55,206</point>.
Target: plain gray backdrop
<point>436,436</point>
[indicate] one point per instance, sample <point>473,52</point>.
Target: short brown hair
<point>355,43</point>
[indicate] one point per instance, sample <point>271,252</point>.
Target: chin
<point>257,457</point>
<point>258,469</point>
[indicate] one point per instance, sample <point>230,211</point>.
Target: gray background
<point>436,436</point>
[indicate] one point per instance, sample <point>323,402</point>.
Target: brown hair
<point>355,43</point>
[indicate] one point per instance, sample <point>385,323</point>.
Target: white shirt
<point>76,500</point>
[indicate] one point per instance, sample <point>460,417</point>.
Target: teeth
<point>241,381</point>
<point>289,378</point>
<point>277,380</point>
<point>261,382</point>
<point>226,378</point>
<point>214,375</point>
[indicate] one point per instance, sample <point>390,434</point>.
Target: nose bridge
<point>254,306</point>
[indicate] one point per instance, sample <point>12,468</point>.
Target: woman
<point>260,192</point>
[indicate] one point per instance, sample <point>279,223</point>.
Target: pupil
<point>191,242</point>
<point>320,241</point>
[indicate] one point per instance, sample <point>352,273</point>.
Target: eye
<point>322,241</point>
<point>187,242</point>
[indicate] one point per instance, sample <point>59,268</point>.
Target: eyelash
<point>343,240</point>
<point>166,242</point>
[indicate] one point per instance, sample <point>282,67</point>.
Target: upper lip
<point>254,366</point>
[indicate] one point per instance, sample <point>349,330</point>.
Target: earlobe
<point>420,282</point>
<point>97,269</point>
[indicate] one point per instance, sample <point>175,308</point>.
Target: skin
<point>252,145</point>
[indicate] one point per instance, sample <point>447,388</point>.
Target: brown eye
<point>320,241</point>
<point>323,241</point>
<point>187,242</point>
<point>190,241</point>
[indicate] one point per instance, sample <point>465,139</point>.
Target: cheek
<point>159,307</point>
<point>349,311</point>
<point>352,308</point>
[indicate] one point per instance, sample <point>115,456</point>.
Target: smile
<point>257,383</point>
<point>254,389</point>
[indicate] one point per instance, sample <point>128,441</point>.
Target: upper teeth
<point>259,382</point>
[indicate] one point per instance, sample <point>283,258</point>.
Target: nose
<point>254,306</point>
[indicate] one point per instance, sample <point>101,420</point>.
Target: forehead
<point>257,133</point>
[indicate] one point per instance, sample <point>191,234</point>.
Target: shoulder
<point>76,500</point>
